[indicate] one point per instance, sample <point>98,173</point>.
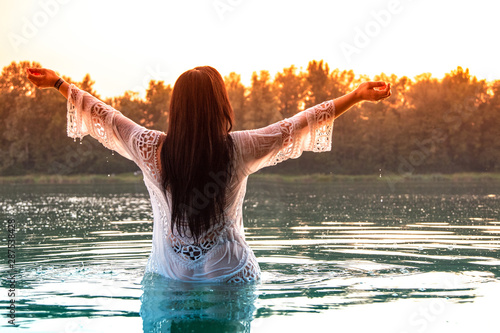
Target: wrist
<point>58,83</point>
<point>356,96</point>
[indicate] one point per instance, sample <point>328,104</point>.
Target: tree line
<point>429,125</point>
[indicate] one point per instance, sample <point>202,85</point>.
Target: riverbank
<point>73,179</point>
<point>137,178</point>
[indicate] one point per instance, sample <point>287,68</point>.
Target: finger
<point>385,91</point>
<point>389,91</point>
<point>382,94</point>
<point>387,95</point>
<point>36,73</point>
<point>35,79</point>
<point>33,75</point>
<point>375,84</point>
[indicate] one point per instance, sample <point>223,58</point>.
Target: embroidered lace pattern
<point>146,143</point>
<point>320,120</point>
<point>190,251</point>
<point>250,272</point>
<point>222,254</point>
<point>323,117</point>
<point>309,130</point>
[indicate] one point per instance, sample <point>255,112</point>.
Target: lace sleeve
<point>309,130</point>
<point>88,115</point>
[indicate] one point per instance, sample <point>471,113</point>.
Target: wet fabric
<point>221,254</point>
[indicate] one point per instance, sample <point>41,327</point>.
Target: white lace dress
<point>222,255</point>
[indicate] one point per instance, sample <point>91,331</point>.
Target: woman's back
<point>221,253</point>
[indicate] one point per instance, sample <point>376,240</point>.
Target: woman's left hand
<point>42,77</point>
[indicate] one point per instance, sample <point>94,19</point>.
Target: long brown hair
<point>197,153</point>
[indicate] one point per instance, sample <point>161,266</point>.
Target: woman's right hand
<point>42,77</point>
<point>373,91</point>
<point>367,91</point>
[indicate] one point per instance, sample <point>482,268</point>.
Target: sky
<point>124,44</point>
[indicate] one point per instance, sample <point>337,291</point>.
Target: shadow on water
<point>171,306</point>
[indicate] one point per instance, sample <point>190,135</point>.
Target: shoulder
<point>239,138</point>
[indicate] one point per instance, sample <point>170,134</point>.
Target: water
<point>357,256</point>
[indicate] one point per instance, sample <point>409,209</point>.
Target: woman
<point>196,173</point>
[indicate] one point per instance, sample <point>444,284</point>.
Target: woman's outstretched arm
<point>87,115</point>
<point>308,130</point>
<point>46,78</point>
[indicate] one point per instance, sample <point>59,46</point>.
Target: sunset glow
<point>124,44</point>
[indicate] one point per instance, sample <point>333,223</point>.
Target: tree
<point>488,120</point>
<point>131,106</point>
<point>291,90</point>
<point>428,125</point>
<point>157,105</point>
<point>237,97</point>
<point>24,120</point>
<point>262,102</point>
<point>317,79</point>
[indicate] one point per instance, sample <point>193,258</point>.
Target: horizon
<point>301,69</point>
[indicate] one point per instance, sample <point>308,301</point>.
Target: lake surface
<point>335,256</point>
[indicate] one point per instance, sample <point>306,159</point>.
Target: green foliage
<point>237,96</point>
<point>157,104</point>
<point>291,91</point>
<point>262,102</point>
<point>427,126</point>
